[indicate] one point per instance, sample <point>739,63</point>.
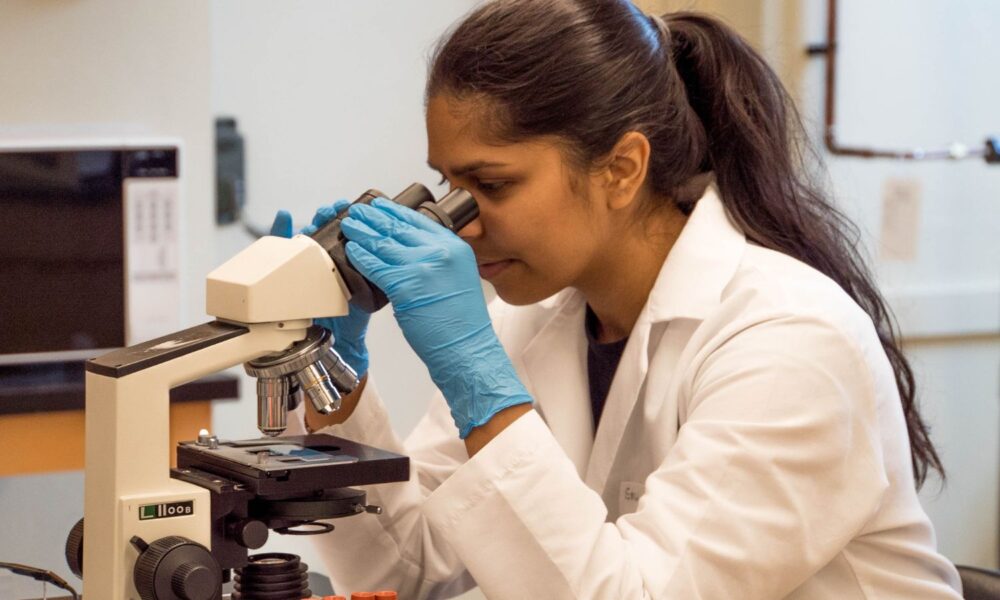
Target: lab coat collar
<point>699,266</point>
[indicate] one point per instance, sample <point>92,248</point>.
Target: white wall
<point>105,68</point>
<point>329,98</point>
<point>919,76</point>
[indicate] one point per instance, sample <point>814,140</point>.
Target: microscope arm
<point>128,450</point>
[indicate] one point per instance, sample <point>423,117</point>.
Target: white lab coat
<point>752,447</point>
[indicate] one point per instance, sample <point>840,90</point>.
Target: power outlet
<point>900,231</point>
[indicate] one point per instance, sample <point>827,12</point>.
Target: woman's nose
<point>472,231</point>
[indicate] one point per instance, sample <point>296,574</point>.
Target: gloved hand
<point>348,331</point>
<point>431,278</point>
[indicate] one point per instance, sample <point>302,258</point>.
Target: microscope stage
<point>295,464</point>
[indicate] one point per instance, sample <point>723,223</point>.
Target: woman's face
<point>537,233</point>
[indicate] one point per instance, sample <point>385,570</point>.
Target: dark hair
<point>589,71</point>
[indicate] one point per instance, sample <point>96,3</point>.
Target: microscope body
<point>264,298</point>
<point>138,514</point>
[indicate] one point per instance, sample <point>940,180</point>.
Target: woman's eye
<point>443,181</point>
<point>491,186</point>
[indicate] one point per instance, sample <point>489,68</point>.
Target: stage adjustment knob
<point>249,533</point>
<point>176,568</point>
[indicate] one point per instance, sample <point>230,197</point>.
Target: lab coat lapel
<point>555,363</point>
<point>626,387</point>
<point>689,285</point>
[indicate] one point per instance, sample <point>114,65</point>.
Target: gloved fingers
<point>357,230</point>
<point>386,248</point>
<point>388,225</point>
<point>357,314</point>
<point>282,226</point>
<point>323,215</point>
<point>408,215</point>
<point>369,265</point>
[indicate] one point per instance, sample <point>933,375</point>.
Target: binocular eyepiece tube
<point>455,210</point>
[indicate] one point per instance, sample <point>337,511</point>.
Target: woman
<point>689,388</point>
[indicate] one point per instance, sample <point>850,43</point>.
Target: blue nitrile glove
<point>348,331</point>
<point>431,278</point>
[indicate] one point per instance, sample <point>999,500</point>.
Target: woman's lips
<point>489,270</point>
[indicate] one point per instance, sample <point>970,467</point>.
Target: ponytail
<point>748,119</point>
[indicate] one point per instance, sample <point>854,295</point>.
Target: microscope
<point>154,533</point>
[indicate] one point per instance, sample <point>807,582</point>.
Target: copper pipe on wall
<point>990,151</point>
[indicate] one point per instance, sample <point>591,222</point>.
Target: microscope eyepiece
<point>455,210</point>
<point>458,207</point>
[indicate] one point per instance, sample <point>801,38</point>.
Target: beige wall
<point>774,27</point>
<point>744,15</point>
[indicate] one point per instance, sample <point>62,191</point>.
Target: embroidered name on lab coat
<point>628,496</point>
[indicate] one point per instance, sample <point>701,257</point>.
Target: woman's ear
<point>625,170</point>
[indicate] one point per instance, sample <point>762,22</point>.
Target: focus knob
<point>176,568</point>
<point>195,581</point>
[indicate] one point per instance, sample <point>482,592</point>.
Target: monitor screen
<point>61,251</point>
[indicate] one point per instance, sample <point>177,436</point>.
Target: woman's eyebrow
<point>469,167</point>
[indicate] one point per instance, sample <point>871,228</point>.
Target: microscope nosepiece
<point>310,365</point>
